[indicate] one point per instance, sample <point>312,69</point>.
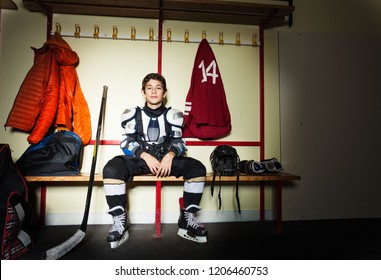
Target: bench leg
<point>279,207</point>
<point>158,209</point>
<point>261,201</point>
<point>42,204</point>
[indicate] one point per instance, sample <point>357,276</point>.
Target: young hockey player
<point>152,143</point>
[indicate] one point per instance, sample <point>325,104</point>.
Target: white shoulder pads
<point>127,116</point>
<point>175,117</point>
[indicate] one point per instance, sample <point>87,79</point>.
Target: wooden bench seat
<point>151,178</point>
<point>44,181</point>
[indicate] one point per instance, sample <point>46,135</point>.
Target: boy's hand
<point>152,163</point>
<point>165,165</point>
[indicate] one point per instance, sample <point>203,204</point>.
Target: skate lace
<point>119,222</point>
<point>192,221</point>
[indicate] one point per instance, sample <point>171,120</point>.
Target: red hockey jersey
<point>206,111</point>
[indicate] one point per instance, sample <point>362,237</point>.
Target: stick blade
<point>60,250</point>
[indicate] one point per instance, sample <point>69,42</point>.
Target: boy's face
<point>154,94</point>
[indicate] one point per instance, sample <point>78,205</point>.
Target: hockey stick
<point>60,250</point>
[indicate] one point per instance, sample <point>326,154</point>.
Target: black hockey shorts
<point>126,167</point>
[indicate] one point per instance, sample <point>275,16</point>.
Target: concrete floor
<point>358,239</point>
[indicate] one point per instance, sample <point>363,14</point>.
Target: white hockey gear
<point>272,165</point>
<point>175,119</point>
<point>127,120</point>
<point>250,167</point>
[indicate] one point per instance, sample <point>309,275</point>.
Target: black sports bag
<point>57,154</point>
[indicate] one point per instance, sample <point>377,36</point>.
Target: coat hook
<point>254,41</point>
<point>238,39</point>
<point>186,36</point>
<point>169,35</point>
<point>133,33</point>
<point>77,32</point>
<point>151,34</point>
<point>203,34</point>
<point>58,29</point>
<point>96,32</point>
<point>114,32</point>
<point>221,38</point>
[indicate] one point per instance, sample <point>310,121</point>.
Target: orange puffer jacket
<point>51,95</point>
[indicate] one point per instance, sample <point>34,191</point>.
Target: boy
<point>152,143</point>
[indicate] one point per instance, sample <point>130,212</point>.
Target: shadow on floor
<point>358,239</point>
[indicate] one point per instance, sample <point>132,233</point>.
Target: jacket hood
<point>65,56</point>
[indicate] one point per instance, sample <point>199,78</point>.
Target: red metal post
<point>160,42</point>
<point>49,25</point>
<point>159,70</point>
<point>262,120</point>
<point>158,209</point>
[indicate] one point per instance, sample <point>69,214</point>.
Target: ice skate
<point>118,233</point>
<point>190,228</point>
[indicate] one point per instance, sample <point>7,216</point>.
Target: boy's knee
<point>113,170</point>
<point>195,169</point>
<point>109,171</point>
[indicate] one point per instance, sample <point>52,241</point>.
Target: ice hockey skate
<point>190,228</point>
<point>118,233</point>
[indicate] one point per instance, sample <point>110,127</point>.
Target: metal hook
<point>186,36</point>
<point>221,38</point>
<point>151,34</point>
<point>254,40</point>
<point>203,34</point>
<point>133,33</point>
<point>114,32</point>
<point>77,32</point>
<point>238,39</point>
<point>96,32</point>
<point>58,29</point>
<point>169,35</point>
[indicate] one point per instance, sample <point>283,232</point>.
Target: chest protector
<point>162,144</point>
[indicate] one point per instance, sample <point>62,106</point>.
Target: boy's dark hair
<point>154,76</point>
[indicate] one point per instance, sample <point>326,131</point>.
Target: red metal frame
<point>262,121</point>
<point>160,41</point>
<point>158,183</point>
<point>158,209</point>
<point>43,187</point>
<point>260,143</point>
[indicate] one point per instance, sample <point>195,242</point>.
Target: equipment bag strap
<point>219,192</point>
<point>139,121</point>
<point>213,182</point>
<point>236,194</point>
<point>219,196</point>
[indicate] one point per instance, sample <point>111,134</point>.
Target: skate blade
<point>184,234</point>
<point>118,243</point>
